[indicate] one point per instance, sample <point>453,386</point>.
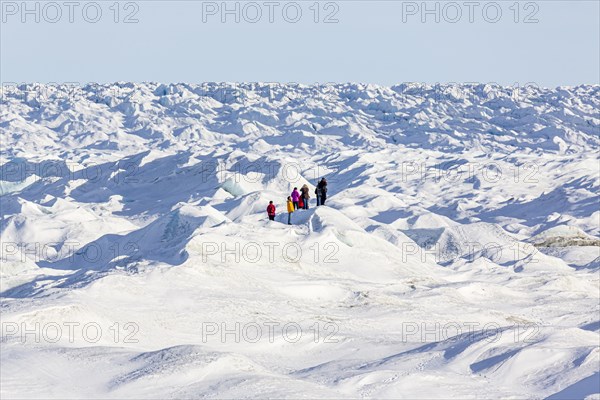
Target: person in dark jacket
<point>271,211</point>
<point>318,194</point>
<point>321,192</point>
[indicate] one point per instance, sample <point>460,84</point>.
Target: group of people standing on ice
<point>299,200</point>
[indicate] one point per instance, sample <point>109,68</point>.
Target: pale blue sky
<point>369,43</point>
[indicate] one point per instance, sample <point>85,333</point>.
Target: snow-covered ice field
<point>457,256</point>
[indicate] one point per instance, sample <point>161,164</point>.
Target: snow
<point>457,255</point>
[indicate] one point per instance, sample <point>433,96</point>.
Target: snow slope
<point>458,254</point>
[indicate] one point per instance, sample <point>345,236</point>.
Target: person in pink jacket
<point>295,198</point>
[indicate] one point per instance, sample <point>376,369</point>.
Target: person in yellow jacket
<point>290,209</point>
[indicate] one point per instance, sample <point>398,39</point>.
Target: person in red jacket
<point>271,211</point>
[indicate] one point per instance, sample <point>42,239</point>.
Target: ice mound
<point>564,236</point>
